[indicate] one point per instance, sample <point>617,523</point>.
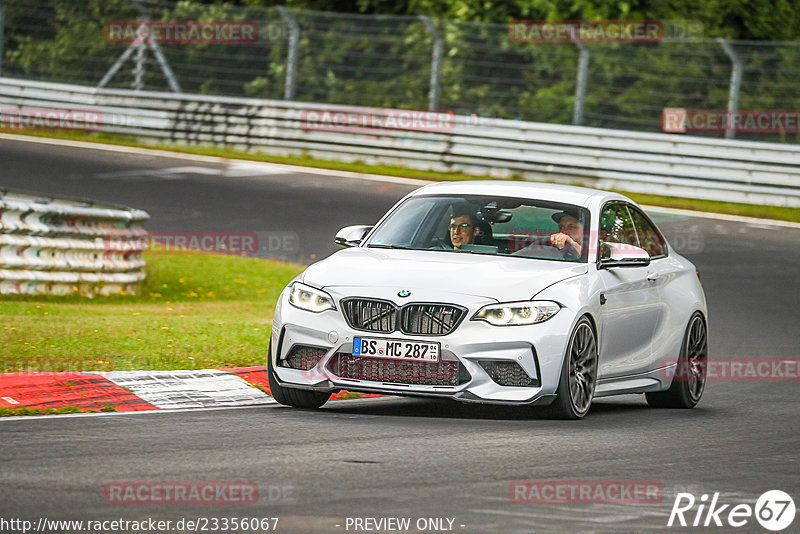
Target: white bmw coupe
<point>500,293</point>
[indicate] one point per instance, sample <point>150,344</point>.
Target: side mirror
<point>351,236</point>
<point>622,255</point>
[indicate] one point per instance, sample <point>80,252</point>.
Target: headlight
<point>310,299</point>
<point>517,313</point>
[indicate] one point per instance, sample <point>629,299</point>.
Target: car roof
<point>568,194</point>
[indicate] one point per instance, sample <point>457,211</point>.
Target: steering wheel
<point>441,242</point>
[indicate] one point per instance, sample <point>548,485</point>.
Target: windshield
<point>498,226</point>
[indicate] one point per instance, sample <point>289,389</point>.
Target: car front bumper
<point>537,349</point>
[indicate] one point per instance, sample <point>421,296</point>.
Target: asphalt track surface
<point>396,457</point>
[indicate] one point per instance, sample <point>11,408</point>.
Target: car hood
<point>494,277</point>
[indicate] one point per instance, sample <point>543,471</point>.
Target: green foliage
<point>384,59</point>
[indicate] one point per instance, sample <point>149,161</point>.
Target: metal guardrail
<point>666,164</point>
<point>65,246</point>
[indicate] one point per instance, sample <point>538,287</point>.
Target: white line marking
<point>271,168</point>
<point>251,168</point>
<point>722,217</point>
<point>170,173</point>
<point>268,404</point>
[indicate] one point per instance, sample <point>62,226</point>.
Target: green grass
<point>10,412</point>
<point>194,311</point>
<point>731,208</point>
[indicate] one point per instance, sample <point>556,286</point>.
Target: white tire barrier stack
<point>64,246</point>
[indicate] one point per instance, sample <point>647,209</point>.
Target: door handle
<point>652,276</point>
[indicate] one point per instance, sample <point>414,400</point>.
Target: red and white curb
<point>126,391</point>
<point>189,389</point>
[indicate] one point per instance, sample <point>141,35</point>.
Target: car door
<point>661,272</point>
<point>630,307</point>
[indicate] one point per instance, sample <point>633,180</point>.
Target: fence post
<point>162,61</point>
<point>291,56</point>
<point>2,33</point>
<point>138,68</point>
<point>580,82</point>
<point>436,62</point>
<point>736,82</point>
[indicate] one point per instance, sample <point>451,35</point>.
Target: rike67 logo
<point>774,510</point>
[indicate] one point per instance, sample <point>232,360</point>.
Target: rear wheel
<point>689,381</point>
<point>578,375</point>
<point>299,398</point>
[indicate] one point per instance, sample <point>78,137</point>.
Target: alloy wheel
<point>582,364</point>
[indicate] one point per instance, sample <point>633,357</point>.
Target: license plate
<point>396,349</point>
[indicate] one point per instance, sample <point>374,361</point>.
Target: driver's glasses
<point>460,227</point>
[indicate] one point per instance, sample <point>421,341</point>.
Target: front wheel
<point>578,375</point>
<point>689,381</point>
<point>299,398</point>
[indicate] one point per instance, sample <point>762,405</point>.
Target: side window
<point>650,238</point>
<point>616,225</point>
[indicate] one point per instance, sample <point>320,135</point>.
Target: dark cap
<point>557,216</point>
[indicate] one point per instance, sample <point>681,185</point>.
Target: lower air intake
<point>441,373</point>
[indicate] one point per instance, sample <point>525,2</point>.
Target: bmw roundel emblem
<point>403,293</point>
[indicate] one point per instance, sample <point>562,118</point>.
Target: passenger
<point>567,240</point>
<point>569,236</point>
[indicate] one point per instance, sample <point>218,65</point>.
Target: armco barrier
<point>64,246</point>
<point>670,164</point>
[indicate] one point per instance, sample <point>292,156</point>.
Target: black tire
<point>299,398</point>
<point>689,381</point>
<point>578,375</point>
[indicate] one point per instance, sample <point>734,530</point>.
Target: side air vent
<point>302,357</point>
<point>508,373</point>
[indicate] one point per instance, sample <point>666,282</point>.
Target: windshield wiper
<point>479,252</point>
<point>382,245</point>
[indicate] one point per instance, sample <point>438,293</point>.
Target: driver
<point>463,229</point>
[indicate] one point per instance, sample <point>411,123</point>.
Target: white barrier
<point>668,164</point>
<point>64,246</point>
